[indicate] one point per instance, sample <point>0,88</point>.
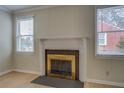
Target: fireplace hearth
<point>62,63</point>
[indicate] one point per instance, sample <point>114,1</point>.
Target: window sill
<point>111,57</point>
<point>25,53</point>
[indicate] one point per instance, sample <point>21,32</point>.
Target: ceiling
<point>17,8</point>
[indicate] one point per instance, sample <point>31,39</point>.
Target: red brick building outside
<point>112,38</point>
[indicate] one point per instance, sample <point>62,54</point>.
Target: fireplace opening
<point>62,63</point>
<point>62,67</point>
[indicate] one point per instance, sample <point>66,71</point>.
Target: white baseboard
<point>26,71</point>
<point>5,72</point>
<point>106,82</point>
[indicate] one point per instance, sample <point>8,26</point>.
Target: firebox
<point>62,63</point>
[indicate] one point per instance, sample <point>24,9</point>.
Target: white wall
<point>70,21</point>
<point>5,42</point>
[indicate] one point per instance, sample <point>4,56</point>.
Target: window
<point>102,38</point>
<point>110,31</point>
<point>25,35</point>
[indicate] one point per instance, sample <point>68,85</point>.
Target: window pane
<point>114,45</point>
<point>25,43</point>
<point>26,26</point>
<point>110,31</point>
<point>110,19</point>
<point>101,35</point>
<point>101,41</point>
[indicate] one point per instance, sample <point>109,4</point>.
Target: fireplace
<point>62,63</point>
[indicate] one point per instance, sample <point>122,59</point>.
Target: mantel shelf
<point>62,38</point>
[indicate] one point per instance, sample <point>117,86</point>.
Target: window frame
<point>18,32</point>
<point>106,56</point>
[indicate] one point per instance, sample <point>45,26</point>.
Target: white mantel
<point>70,43</point>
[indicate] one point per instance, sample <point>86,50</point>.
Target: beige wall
<point>70,21</point>
<point>5,42</point>
<point>54,22</point>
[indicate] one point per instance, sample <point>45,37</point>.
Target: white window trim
<point>25,52</point>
